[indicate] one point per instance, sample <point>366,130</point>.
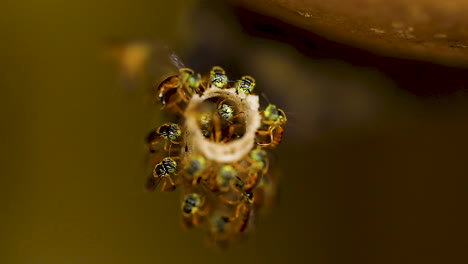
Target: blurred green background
<point>373,164</point>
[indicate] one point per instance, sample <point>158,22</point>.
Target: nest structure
<point>216,151</point>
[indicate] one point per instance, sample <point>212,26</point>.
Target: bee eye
<point>187,209</point>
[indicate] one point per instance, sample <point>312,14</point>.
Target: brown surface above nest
<point>428,30</point>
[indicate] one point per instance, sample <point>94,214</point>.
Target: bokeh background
<point>373,163</point>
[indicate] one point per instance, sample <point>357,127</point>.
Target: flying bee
<point>244,210</point>
<point>191,79</point>
<point>176,91</point>
<point>273,119</point>
<point>163,171</point>
<point>191,209</point>
<point>218,77</point>
<point>168,132</point>
<point>171,95</point>
<point>246,84</point>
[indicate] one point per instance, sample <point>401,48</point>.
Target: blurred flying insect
<point>246,84</point>
<point>175,92</point>
<point>191,80</point>
<point>273,119</point>
<point>168,132</point>
<point>218,77</point>
<point>191,209</point>
<point>163,171</point>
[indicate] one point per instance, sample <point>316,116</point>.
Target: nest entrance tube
<point>221,124</point>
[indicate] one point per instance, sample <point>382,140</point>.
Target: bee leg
<point>264,133</point>
<point>253,181</point>
<point>174,142</point>
<point>165,188</point>
<point>171,180</point>
<point>236,215</point>
<point>183,95</point>
<point>175,106</point>
<point>232,129</point>
<point>279,135</point>
<point>223,199</point>
<point>195,220</point>
<point>152,145</point>
<point>239,114</point>
<point>217,128</point>
<point>204,212</point>
<point>282,113</point>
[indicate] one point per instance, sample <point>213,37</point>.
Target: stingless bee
<point>246,84</point>
<point>163,171</point>
<point>225,111</point>
<point>224,178</point>
<point>244,210</point>
<point>168,132</point>
<point>191,209</point>
<point>218,77</point>
<point>176,91</point>
<point>195,169</point>
<point>258,168</point>
<point>273,119</point>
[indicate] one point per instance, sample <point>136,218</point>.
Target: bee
<point>273,119</point>
<point>195,168</point>
<point>246,84</point>
<point>218,77</point>
<point>220,231</point>
<point>224,178</point>
<point>272,115</point>
<point>163,171</point>
<point>244,211</point>
<point>205,117</point>
<point>176,91</point>
<point>217,120</point>
<point>191,209</point>
<point>191,79</point>
<point>259,167</point>
<point>168,132</point>
<point>260,159</point>
<point>225,111</point>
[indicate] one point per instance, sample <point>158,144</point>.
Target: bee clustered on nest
<point>215,151</point>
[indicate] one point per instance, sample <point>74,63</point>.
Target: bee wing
<point>176,60</point>
<point>151,183</point>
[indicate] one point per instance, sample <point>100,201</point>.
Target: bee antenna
<point>265,97</point>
